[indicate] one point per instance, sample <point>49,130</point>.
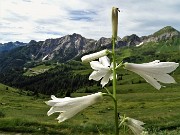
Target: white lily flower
<point>102,69</point>
<point>154,71</point>
<point>93,56</point>
<point>135,125</point>
<point>68,107</point>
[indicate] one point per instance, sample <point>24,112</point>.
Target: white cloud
<point>24,20</point>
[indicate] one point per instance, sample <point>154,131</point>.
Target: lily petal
<point>149,79</point>
<point>69,114</point>
<point>135,125</point>
<point>106,78</point>
<point>136,130</point>
<point>105,61</point>
<point>97,75</point>
<point>167,67</point>
<point>155,66</point>
<point>164,78</point>
<point>96,65</point>
<point>111,76</point>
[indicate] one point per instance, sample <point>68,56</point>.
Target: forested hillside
<point>19,70</point>
<point>64,78</point>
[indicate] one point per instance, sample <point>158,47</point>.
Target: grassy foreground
<point>20,112</point>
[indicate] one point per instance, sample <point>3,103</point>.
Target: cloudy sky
<point>25,20</point>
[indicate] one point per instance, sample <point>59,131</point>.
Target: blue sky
<point>25,20</point>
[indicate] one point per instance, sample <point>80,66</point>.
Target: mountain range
<point>70,46</point>
<point>53,65</point>
<point>10,45</point>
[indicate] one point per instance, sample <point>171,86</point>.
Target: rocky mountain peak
<point>10,45</point>
<point>165,33</point>
<point>32,42</point>
<point>63,48</point>
<point>104,41</point>
<point>75,35</point>
<point>165,30</point>
<point>131,40</point>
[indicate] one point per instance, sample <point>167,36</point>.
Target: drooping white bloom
<point>154,71</point>
<point>135,125</point>
<point>68,107</point>
<point>102,69</point>
<point>93,56</point>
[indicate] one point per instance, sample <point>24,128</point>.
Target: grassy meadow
<point>38,70</point>
<point>26,113</point>
<point>21,112</point>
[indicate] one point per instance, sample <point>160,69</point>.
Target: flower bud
<point>93,56</point>
<point>115,22</point>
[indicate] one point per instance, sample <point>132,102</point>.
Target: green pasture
<point>38,70</point>
<point>21,112</point>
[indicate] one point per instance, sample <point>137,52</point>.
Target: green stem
<point>107,91</point>
<point>114,86</point>
<point>109,95</point>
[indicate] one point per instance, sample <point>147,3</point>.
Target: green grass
<point>20,112</point>
<point>38,70</point>
<point>123,53</point>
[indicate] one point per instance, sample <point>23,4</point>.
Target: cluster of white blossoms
<point>153,72</point>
